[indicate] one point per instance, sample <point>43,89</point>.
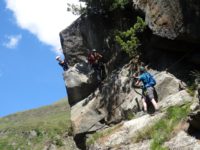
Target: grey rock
<point>116,97</point>
<point>183,141</point>
<point>77,84</point>
<point>167,84</point>
<point>144,145</point>
<point>179,98</point>
<point>109,102</point>
<point>32,134</point>
<point>86,32</point>
<point>195,105</point>
<point>172,19</point>
<point>125,133</point>
<point>52,147</point>
<point>83,118</point>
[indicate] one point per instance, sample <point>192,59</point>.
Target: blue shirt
<point>144,77</point>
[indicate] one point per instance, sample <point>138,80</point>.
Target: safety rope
<point>178,61</point>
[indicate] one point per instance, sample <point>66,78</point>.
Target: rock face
<point>174,36</point>
<point>125,133</point>
<point>183,141</point>
<point>167,20</point>
<point>78,83</point>
<point>86,33</point>
<point>172,19</point>
<point>176,31</point>
<point>117,98</point>
<point>113,101</point>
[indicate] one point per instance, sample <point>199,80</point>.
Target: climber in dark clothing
<point>62,63</point>
<point>94,60</point>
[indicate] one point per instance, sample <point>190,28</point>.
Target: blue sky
<point>29,74</point>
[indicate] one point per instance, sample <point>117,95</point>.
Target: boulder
<point>86,118</point>
<point>179,98</point>
<point>124,134</point>
<point>183,141</point>
<point>78,84</point>
<point>167,84</point>
<point>172,19</point>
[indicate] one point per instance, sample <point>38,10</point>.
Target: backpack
<point>149,79</point>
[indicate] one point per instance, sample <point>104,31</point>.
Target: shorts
<point>148,94</point>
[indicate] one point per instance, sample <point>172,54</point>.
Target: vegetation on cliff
<point>165,128</point>
<point>108,5</point>
<point>128,40</point>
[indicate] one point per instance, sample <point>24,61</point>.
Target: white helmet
<point>94,50</point>
<point>57,57</point>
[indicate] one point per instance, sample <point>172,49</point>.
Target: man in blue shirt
<point>148,88</point>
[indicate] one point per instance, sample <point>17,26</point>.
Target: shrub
<point>76,9</point>
<point>118,4</point>
<point>107,5</point>
<point>128,40</point>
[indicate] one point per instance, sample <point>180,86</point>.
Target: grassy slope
<point>50,124</point>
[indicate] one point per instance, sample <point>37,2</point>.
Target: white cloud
<point>43,18</point>
<point>12,41</point>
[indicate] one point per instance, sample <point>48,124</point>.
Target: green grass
<point>48,122</point>
<point>129,115</point>
<point>191,89</point>
<point>163,129</point>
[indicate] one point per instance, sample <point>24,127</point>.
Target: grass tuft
<point>162,130</point>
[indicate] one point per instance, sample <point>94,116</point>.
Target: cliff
<point>173,31</point>
<point>109,115</point>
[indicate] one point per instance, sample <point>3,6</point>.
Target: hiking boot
<point>156,112</point>
<point>145,113</point>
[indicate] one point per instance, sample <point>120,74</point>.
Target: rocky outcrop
<point>172,42</point>
<point>183,141</point>
<point>86,33</point>
<point>117,98</point>
<point>172,19</point>
<point>78,83</point>
<point>124,134</point>
<point>167,20</point>
<point>176,31</point>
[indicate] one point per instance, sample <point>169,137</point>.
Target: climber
<point>148,88</point>
<point>94,59</point>
<point>62,63</point>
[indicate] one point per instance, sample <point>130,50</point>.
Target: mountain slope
<point>42,128</point>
